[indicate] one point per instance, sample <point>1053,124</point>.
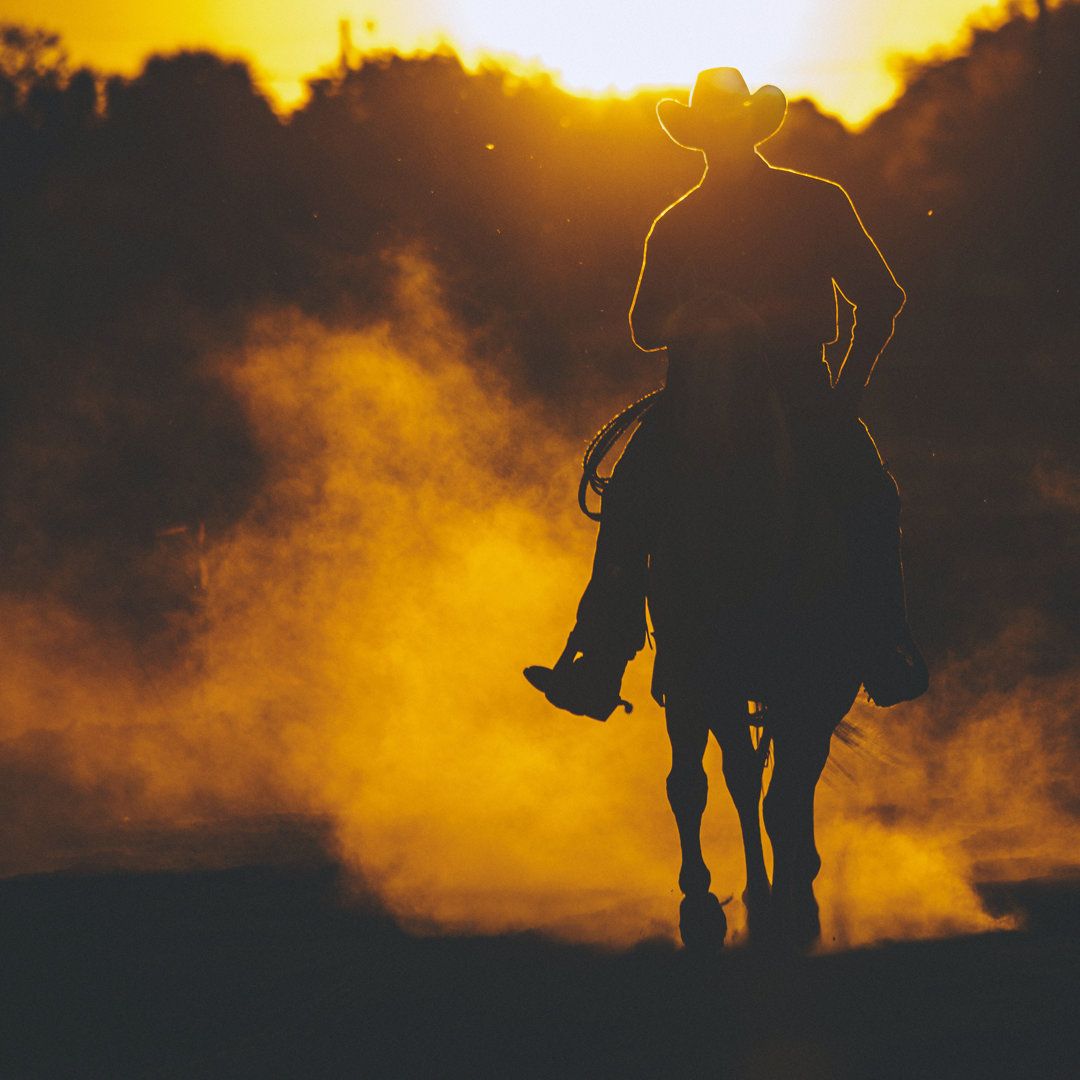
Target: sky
<point>839,54</point>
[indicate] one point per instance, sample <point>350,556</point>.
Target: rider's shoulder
<point>679,217</point>
<point>808,186</point>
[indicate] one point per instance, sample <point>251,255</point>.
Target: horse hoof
<point>758,916</point>
<point>702,922</point>
<point>795,925</point>
<point>804,928</point>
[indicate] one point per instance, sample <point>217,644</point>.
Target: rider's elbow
<point>877,321</point>
<point>646,334</point>
<point>899,299</point>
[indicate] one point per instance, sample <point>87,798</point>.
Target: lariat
<point>601,446</point>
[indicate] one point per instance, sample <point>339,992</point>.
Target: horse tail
<point>601,445</point>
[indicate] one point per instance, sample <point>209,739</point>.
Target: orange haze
<point>362,639</point>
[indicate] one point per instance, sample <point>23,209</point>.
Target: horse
<point>761,528</point>
<point>752,599</point>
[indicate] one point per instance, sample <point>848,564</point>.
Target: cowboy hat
<point>719,99</point>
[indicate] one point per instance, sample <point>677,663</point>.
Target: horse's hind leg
<point>743,766</point>
<point>800,757</point>
<point>701,918</point>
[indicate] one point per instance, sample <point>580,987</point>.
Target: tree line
<point>144,219</point>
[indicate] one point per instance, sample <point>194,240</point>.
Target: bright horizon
<point>840,55</point>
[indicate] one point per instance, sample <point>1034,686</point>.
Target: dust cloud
<point>355,658</point>
<point>411,556</point>
<point>978,782</point>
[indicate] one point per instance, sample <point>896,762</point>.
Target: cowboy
<point>760,255</point>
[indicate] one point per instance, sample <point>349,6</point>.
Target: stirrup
<point>585,686</point>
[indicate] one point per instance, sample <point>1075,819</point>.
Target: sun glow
<point>839,54</point>
<point>613,46</point>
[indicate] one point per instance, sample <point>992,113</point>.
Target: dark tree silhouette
<point>141,219</point>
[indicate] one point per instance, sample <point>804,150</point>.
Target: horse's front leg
<point>702,922</point>
<point>800,757</point>
<point>687,792</point>
<point>743,767</point>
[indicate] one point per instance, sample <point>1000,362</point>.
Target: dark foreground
<point>260,972</point>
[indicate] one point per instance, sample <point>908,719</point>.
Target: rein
<point>601,446</point>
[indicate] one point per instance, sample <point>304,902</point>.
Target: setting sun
<point>838,54</point>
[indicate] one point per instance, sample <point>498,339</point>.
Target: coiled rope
<point>601,445</point>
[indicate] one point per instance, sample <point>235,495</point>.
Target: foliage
<point>30,57</point>
<point>139,236</point>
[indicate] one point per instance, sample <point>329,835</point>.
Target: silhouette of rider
<point>758,258</point>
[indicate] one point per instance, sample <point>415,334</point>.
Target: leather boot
<point>586,684</point>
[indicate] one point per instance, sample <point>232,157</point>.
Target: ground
<point>264,972</point>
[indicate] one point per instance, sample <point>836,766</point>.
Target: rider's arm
<point>866,282</point>
<point>668,302</point>
<point>655,297</point>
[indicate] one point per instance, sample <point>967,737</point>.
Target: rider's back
<point>771,243</point>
